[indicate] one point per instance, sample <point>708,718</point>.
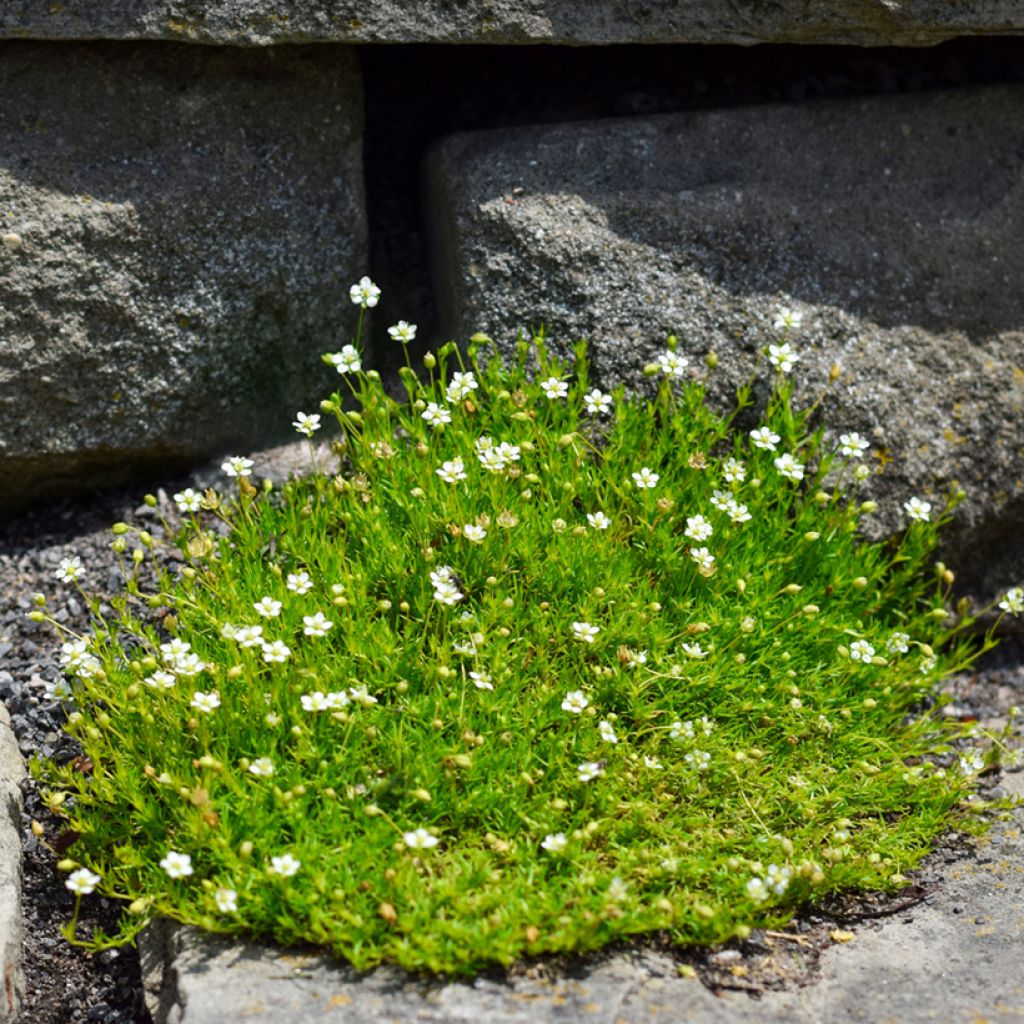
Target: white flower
<point>852,445</point>
<point>652,762</point>
<point>596,401</point>
<point>174,649</point>
<point>681,731</point>
<point>704,559</point>
<point>316,625</point>
<point>420,839</point>
<point>226,900</point>
<point>276,651</point>
<point>229,631</point>
<point>782,357</point>
<point>160,680</point>
<point>177,865</point>
<point>789,467</point>
<point>347,360</point>
<point>189,665</point>
<point>188,500</point>
<point>787,319</point>
<point>452,472</point>
<point>636,658</point>
<point>1013,601</point>
<point>473,533</point>
<point>972,761</point>
<point>554,842</point>
<point>589,770</point>
<point>575,702</point>
<point>738,513</point>
<point>447,593</point>
<point>82,882</point>
<point>402,331</point>
<point>698,528</point>
<point>307,423</point>
<point>268,607</point>
<point>205,702</point>
<point>897,643</point>
<point>607,731</point>
<point>481,680</point>
<point>672,364</point>
<point>262,767</point>
<point>764,437</point>
<point>721,500</point>
<point>585,631</point>
<point>926,665</point>
<point>69,570</point>
<point>598,520</point>
<point>777,878</point>
<point>299,583</point>
<point>361,695</point>
<point>249,636</point>
<point>461,386</point>
<point>645,478</point>
<point>364,294</point>
<point>861,650</point>
<point>436,415</point>
<point>237,465</point>
<point>442,574</point>
<point>285,866</point>
<point>757,890</point>
<point>706,725</point>
<point>554,388</point>
<point>617,889</point>
<point>314,702</point>
<point>734,471</point>
<point>337,699</point>
<point>694,650</point>
<point>918,509</point>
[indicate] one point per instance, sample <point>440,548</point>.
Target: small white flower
<point>596,401</point>
<point>777,878</point>
<point>188,500</point>
<point>698,528</point>
<point>607,731</point>
<point>307,423</point>
<point>589,770</point>
<point>782,357</point>
<point>361,695</point>
<point>738,513</point>
<point>575,702</point>
<point>680,731</point>
<point>672,364</point>
<point>69,570</point>
<point>229,631</point>
<point>160,680</point>
<point>177,865</point>
<point>787,319</point>
<point>861,650</point>
<point>473,533</point>
<point>189,665</point>
<point>861,473</point>
<point>765,438</point>
<point>436,415</point>
<point>226,900</point>
<point>174,649</point>
<point>554,388</point>
<point>402,331</point>
<point>461,386</point>
<point>918,509</point>
<point>926,665</point>
<point>314,702</point>
<point>704,559</point>
<point>207,703</point>
<point>617,889</point>
<point>734,471</point>
<point>636,658</point>
<point>721,500</point>
<point>585,632</point>
<point>694,650</point>
<point>284,866</point>
<point>646,478</point>
<point>276,652</point>
<point>442,574</point>
<point>452,472</point>
<point>598,520</point>
<point>652,762</point>
<point>237,465</point>
<point>447,593</point>
<point>789,467</point>
<point>364,294</point>
<point>82,882</point>
<point>347,360</point>
<point>262,767</point>
<point>972,762</point>
<point>897,643</point>
<point>249,636</point>
<point>420,839</point>
<point>852,445</point>
<point>481,680</point>
<point>268,607</point>
<point>554,842</point>
<point>757,890</point>
<point>299,583</point>
<point>316,625</point>
<point>1013,601</point>
<point>337,699</point>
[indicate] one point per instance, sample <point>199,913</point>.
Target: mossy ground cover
<point>541,667</point>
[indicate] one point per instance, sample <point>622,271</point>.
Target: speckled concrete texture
<point>12,770</point>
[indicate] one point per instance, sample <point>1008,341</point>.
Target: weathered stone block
<point>180,225</point>
<point>895,224</point>
<point>262,22</point>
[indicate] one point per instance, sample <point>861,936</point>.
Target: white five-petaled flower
<point>316,625</point>
<point>672,364</point>
<point>698,528</point>
<point>284,866</point>
<point>756,890</point>
<point>188,500</point>
<point>575,702</point>
<point>782,357</point>
<point>452,472</point>
<point>598,520</point>
<point>645,478</point>
<point>972,761</point>
<point>249,636</point>
<point>765,438</point>
<point>307,423</point>
<point>160,680</point>
<point>174,650</point>
<point>555,842</point>
<point>447,593</point>
<point>177,865</point>
<point>585,631</point>
<point>82,881</point>
<point>268,607</point>
<point>461,386</point>
<point>738,513</point>
<point>918,509</point>
<point>481,680</point>
<point>554,388</point>
<point>299,583</point>
<point>262,767</point>
<point>237,465</point>
<point>589,770</point>
<point>69,569</point>
<point>694,650</point>
<point>699,760</point>
<point>861,650</point>
<point>897,643</point>
<point>721,500</point>
<point>226,900</point>
<point>315,701</point>
<point>277,651</point>
<point>596,401</point>
<point>1013,601</point>
<point>607,731</point>
<point>361,695</point>
<point>347,360</point>
<point>207,703</point>
<point>734,471</point>
<point>189,664</point>
<point>473,533</point>
<point>852,445</point>
<point>436,415</point>
<point>419,839</point>
<point>789,467</point>
<point>704,559</point>
<point>777,878</point>
<point>365,293</point>
<point>787,319</point>
<point>402,331</point>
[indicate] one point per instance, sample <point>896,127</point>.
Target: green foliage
<point>653,739</point>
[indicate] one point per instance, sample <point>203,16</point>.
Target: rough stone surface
<point>12,769</point>
<point>894,224</point>
<point>262,22</point>
<point>188,222</point>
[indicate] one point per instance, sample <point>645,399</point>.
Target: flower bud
<point>430,360</point>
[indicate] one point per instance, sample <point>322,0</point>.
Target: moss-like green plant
<point>540,667</point>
